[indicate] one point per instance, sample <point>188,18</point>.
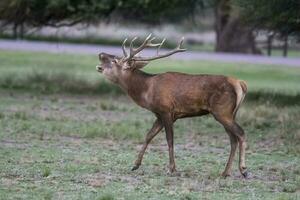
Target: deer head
<point>115,67</point>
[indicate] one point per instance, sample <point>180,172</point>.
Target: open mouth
<point>99,69</point>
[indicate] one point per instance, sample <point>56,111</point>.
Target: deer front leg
<point>157,126</point>
<point>168,124</point>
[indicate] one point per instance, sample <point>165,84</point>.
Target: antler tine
<point>132,51</point>
<point>180,44</point>
<point>176,50</point>
<point>148,43</point>
<point>162,42</point>
<point>148,37</point>
<point>131,43</point>
<point>145,43</point>
<point>124,48</point>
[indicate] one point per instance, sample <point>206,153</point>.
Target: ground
<point>60,141</point>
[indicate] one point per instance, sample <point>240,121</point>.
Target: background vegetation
<point>235,22</point>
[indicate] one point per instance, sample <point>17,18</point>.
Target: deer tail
<point>241,90</point>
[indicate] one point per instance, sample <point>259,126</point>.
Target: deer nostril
<point>99,68</point>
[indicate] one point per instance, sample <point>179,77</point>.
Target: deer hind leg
<point>239,132</point>
<point>157,126</point>
<point>233,146</point>
<point>235,131</point>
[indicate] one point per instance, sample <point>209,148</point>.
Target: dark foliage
<point>281,16</point>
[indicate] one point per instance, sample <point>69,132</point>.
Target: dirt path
<point>189,55</point>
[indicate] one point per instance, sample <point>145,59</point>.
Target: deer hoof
<point>245,174</point>
<point>171,170</point>
<point>225,174</point>
<point>173,173</point>
<point>135,167</point>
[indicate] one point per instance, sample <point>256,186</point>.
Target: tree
<point>15,12</point>
<point>232,35</point>
<point>156,12</point>
<point>277,16</point>
<point>57,13</point>
<point>282,16</point>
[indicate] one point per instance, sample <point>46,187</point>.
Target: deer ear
<point>139,64</point>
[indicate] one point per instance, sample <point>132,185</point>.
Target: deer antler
<point>147,43</point>
<point>176,50</point>
<point>124,48</point>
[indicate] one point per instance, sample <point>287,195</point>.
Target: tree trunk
<point>231,34</point>
<point>21,31</point>
<point>269,43</point>
<point>285,46</point>
<point>15,30</point>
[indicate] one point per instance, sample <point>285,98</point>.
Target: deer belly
<point>190,110</point>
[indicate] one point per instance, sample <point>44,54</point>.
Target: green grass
<point>61,137</point>
<point>66,146</point>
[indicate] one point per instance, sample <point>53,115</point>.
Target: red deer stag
<point>172,95</point>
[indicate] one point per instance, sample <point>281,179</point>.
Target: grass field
<point>65,133</point>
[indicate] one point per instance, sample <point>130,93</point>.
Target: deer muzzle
<point>99,68</point>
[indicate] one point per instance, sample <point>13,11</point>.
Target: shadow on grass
<point>68,83</point>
